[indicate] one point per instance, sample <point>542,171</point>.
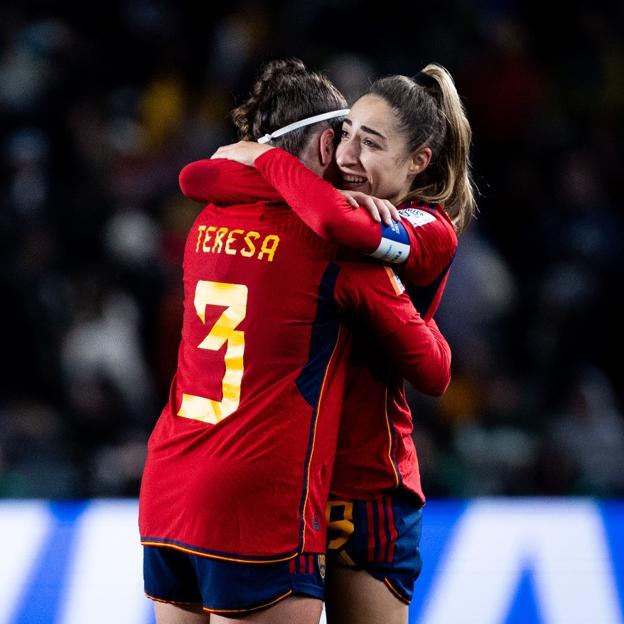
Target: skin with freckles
<point>372,154</point>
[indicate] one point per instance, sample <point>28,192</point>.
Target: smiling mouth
<point>353,179</point>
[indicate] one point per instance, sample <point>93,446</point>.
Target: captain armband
<point>394,246</point>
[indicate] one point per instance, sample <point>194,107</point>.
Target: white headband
<point>301,123</point>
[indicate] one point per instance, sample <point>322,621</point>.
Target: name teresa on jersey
<point>247,243</point>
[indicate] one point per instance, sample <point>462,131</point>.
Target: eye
<point>370,143</point>
<point>344,135</point>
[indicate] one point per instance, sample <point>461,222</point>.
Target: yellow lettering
<point>269,245</point>
<point>218,242</point>
<point>210,228</point>
<point>230,240</point>
<point>200,231</point>
<point>248,253</point>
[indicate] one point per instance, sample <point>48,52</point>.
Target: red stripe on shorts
<point>371,531</point>
<point>381,529</point>
<point>393,531</point>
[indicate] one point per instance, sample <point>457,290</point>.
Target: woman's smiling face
<point>373,154</point>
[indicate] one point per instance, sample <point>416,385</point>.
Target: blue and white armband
<point>394,246</point>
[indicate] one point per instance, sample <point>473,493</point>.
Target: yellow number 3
<point>234,296</point>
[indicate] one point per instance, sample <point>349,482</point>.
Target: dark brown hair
<point>285,92</point>
<point>430,114</point>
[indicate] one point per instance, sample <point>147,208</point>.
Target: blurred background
<point>102,103</point>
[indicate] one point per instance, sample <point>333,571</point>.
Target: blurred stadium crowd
<point>101,104</point>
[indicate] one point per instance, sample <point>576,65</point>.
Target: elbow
<point>443,379</point>
<point>441,372</point>
<point>441,384</point>
<point>434,381</point>
<point>193,180</point>
<point>184,180</point>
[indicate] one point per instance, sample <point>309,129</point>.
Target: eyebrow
<point>367,129</point>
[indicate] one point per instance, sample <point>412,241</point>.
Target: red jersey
<point>376,450</point>
<point>239,462</point>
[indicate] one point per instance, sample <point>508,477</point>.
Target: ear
<point>419,160</point>
<point>326,146</point>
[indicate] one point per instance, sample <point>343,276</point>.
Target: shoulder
<point>418,216</point>
<point>431,225</point>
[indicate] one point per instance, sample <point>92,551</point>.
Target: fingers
<point>384,207</point>
<point>233,151</point>
<point>223,151</point>
<point>394,211</point>
<point>350,197</point>
<point>386,210</point>
<point>352,201</point>
<point>243,152</point>
<point>380,210</point>
<point>372,205</point>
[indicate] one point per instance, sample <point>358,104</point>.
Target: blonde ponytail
<point>430,114</point>
<point>459,190</point>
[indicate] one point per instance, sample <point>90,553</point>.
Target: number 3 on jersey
<point>234,296</point>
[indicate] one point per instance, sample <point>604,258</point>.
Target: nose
<point>347,153</point>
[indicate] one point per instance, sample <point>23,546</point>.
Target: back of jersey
<point>239,462</point>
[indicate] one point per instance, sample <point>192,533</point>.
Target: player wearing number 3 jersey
<point>232,505</point>
<point>405,141</point>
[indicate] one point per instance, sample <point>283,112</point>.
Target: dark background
<point>100,107</point>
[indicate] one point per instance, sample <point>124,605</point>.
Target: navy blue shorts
<point>381,536</point>
<point>227,587</point>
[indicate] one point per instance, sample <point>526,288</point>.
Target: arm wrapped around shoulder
<point>225,182</point>
<point>422,355</point>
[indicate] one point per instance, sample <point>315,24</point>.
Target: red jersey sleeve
<point>225,182</point>
<point>417,349</point>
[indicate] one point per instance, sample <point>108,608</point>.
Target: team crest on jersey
<point>322,565</point>
<point>416,216</point>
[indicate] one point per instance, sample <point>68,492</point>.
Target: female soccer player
<point>407,141</point>
<point>232,505</point>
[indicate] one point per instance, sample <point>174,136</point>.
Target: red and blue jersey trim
<point>311,381</point>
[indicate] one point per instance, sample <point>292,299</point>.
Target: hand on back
<point>244,152</point>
